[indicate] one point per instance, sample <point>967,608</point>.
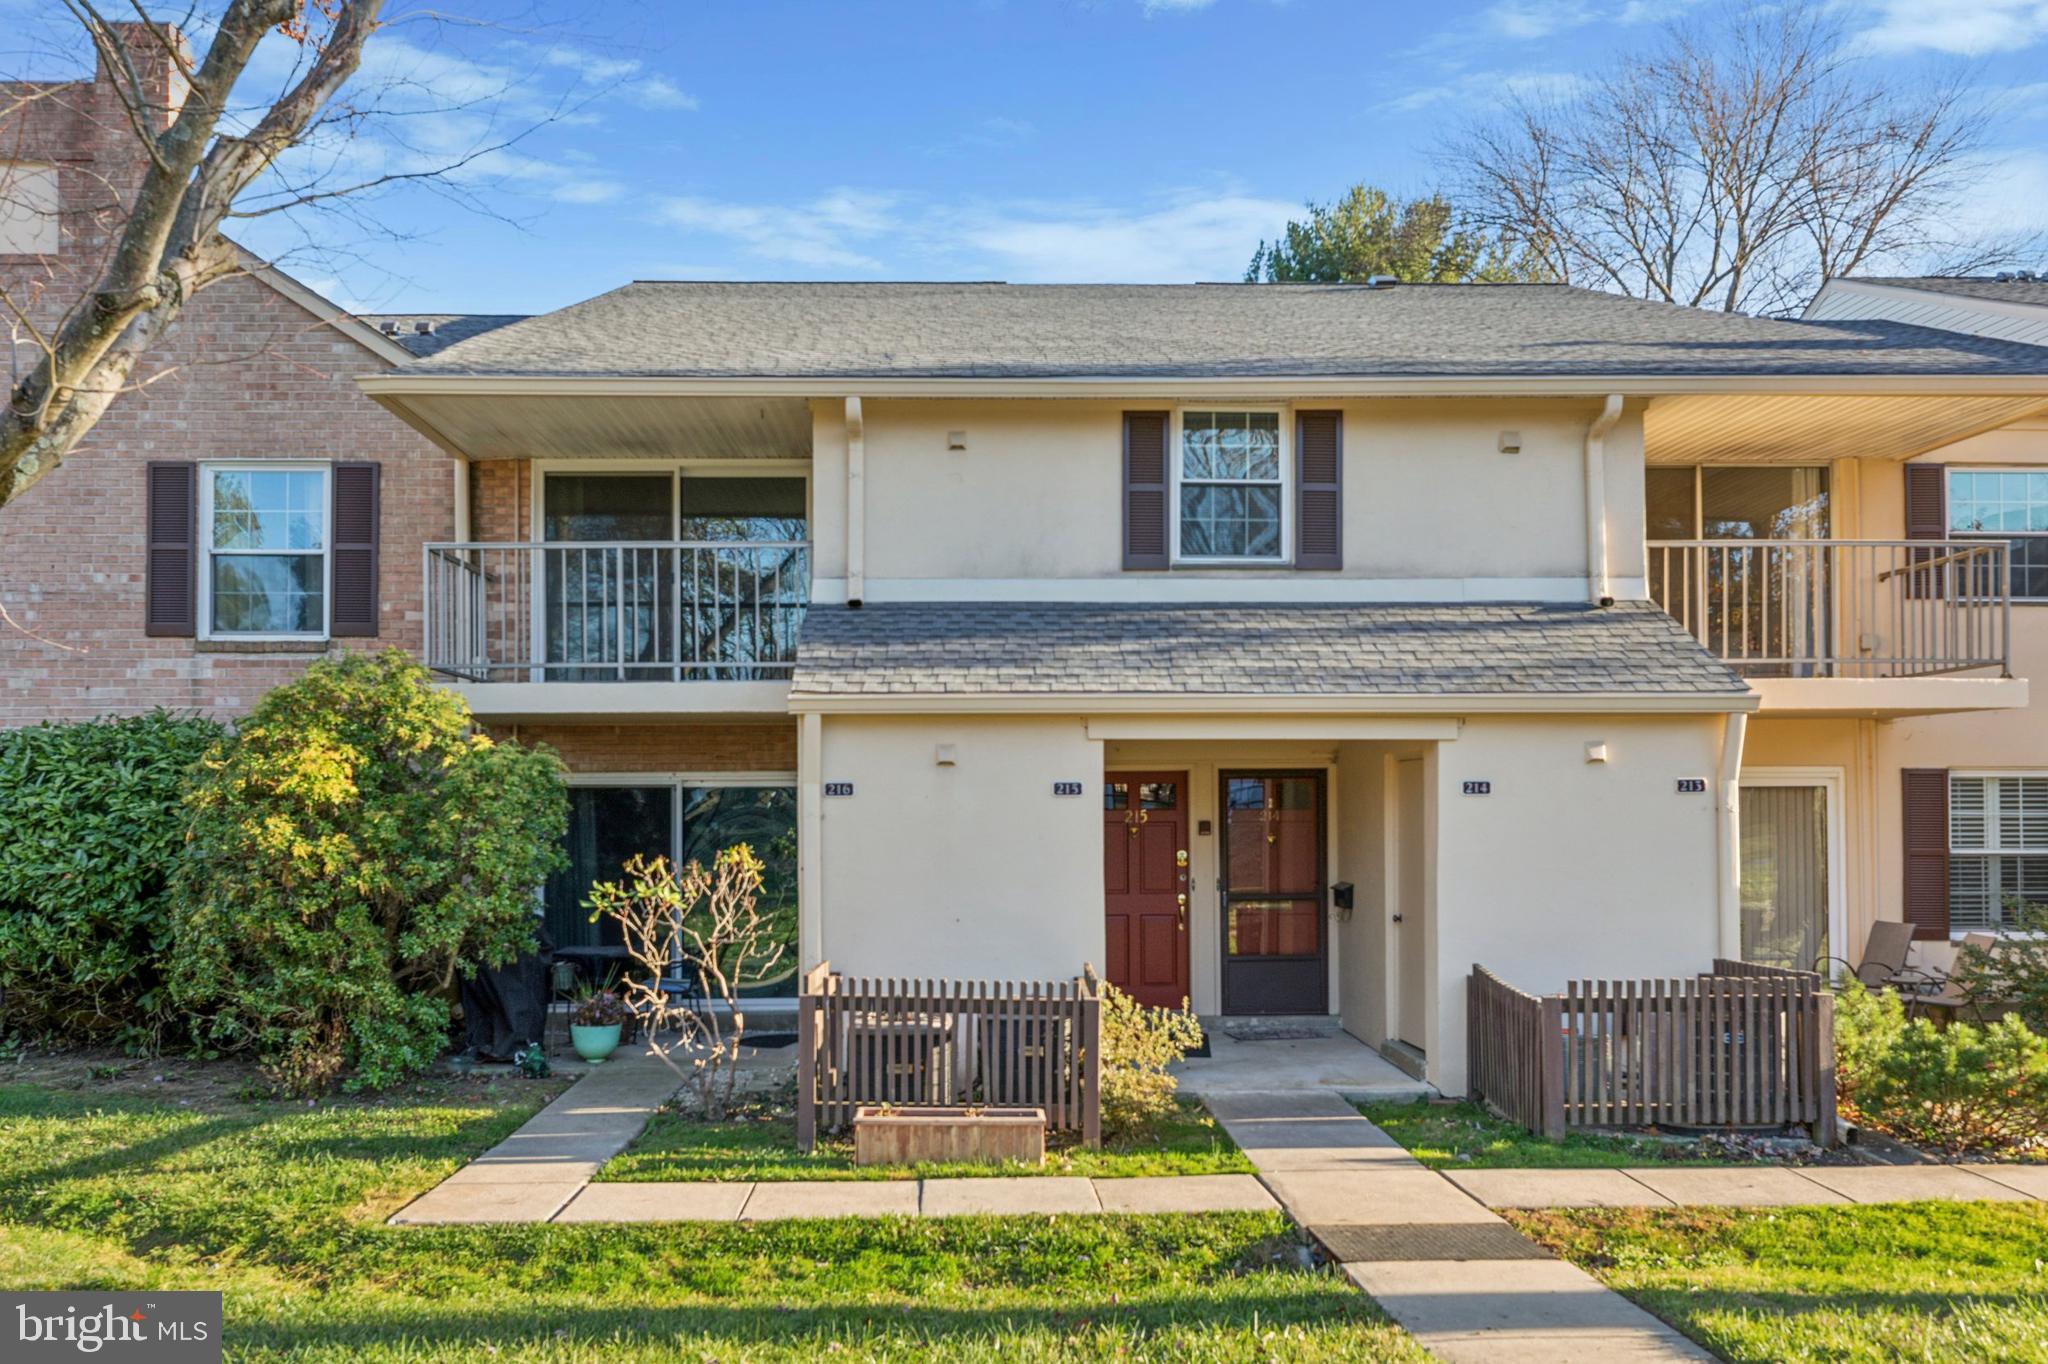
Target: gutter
<point>1256,703</point>
<point>1728,832</point>
<point>1599,588</point>
<point>1206,386</point>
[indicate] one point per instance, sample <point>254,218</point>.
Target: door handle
<point>1397,918</point>
<point>1181,909</point>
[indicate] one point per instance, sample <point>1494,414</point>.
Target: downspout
<point>856,505</point>
<point>1599,590</point>
<point>462,501</point>
<point>1728,832</point>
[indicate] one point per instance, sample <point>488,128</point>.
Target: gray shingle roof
<point>843,331</point>
<point>961,648</point>
<point>2034,291</point>
<point>442,330</point>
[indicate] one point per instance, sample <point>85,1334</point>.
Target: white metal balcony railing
<point>1840,608</point>
<point>639,611</point>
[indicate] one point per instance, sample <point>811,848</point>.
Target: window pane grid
<point>1231,481</point>
<point>266,544</point>
<point>2007,505</point>
<point>1998,848</point>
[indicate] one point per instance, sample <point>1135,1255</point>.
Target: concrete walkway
<point>532,1174</point>
<point>543,1173</point>
<point>1459,1279</point>
<point>1331,1060</point>
<point>1752,1186</point>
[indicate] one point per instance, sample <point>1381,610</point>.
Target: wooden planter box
<point>904,1136</point>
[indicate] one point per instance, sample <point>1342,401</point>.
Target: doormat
<point>1350,1244</point>
<point>1274,1034</point>
<point>769,1041</point>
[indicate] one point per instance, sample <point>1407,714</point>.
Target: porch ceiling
<point>1816,428</point>
<point>575,426</point>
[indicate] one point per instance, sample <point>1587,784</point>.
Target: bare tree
<point>204,154</point>
<point>705,922</point>
<point>1746,158</point>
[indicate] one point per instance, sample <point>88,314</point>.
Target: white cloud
<point>1184,235</point>
<point>1969,28</point>
<point>1152,7</point>
<point>1481,88</point>
<point>1190,236</point>
<point>825,234</point>
<point>657,92</point>
<point>1524,20</point>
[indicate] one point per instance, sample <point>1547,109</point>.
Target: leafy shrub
<point>352,851</point>
<point>1138,1044</point>
<point>2014,970</point>
<point>1954,1089</point>
<point>91,823</point>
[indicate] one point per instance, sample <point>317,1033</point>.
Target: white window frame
<point>1948,502</point>
<point>207,470</point>
<point>1992,847</point>
<point>1830,780</point>
<point>1287,494</point>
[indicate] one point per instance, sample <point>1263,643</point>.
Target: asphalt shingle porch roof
<point>1176,649</point>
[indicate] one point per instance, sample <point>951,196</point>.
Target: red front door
<point>1145,872</point>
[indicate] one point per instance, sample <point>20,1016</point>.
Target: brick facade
<point>245,373</point>
<point>722,747</point>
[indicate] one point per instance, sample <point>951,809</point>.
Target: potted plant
<point>595,1024</point>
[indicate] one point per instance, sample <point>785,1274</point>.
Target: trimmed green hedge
<point>91,826</point>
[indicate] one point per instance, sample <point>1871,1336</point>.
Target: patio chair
<point>1884,963</point>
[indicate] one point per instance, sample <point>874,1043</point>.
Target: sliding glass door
<point>1764,602</point>
<point>609,599</point>
<point>1787,890</point>
<point>610,823</point>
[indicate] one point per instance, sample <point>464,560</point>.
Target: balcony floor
<point>1886,698</point>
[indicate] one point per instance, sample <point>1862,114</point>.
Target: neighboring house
<point>1963,823</point>
<point>1288,648</point>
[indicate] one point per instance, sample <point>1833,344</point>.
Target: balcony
<point>553,629</point>
<point>1879,627</point>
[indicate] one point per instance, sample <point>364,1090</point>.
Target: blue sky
<point>1024,140</point>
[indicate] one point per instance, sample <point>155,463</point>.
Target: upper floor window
<point>2009,505</point>
<point>28,210</point>
<point>1231,481</point>
<point>1998,847</point>
<point>266,538</point>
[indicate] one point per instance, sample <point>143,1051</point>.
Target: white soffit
<point>567,426</point>
<point>1816,428</point>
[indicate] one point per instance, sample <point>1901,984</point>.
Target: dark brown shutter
<point>170,575</point>
<point>1145,490</point>
<point>1319,490</point>
<point>1926,519</point>
<point>1926,850</point>
<point>354,547</point>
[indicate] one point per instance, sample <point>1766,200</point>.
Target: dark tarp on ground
<point>505,1008</point>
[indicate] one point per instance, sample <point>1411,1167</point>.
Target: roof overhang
<point>1814,428</point>
<point>579,424</point>
<point>1249,703</point>
<point>387,388</point>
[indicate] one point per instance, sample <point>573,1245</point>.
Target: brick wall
<point>246,373</point>
<point>766,747</point>
<point>500,495</point>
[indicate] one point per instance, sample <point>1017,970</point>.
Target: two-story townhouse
<point>1954,819</point>
<point>1286,648</point>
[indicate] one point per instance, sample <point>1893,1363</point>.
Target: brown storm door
<point>1145,874</point>
<point>1273,943</point>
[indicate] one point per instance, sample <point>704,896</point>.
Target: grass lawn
<point>1907,1281</point>
<point>760,1144</point>
<point>280,1206</point>
<point>1464,1136</point>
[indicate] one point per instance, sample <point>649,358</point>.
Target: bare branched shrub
<point>701,923</point>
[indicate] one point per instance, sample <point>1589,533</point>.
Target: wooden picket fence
<point>1743,1045</point>
<point>915,1043</point>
